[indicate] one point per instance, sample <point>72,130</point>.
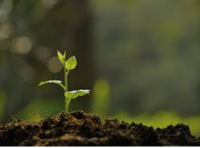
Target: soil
<point>86,129</point>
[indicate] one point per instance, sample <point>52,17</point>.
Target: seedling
<point>68,65</point>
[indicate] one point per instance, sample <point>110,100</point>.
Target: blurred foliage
<point>149,52</point>
<point>101,97</point>
<point>2,102</point>
<point>162,119</point>
<point>41,109</point>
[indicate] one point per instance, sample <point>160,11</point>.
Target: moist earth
<point>85,129</point>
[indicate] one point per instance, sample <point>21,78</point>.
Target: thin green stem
<point>67,101</point>
<point>66,80</point>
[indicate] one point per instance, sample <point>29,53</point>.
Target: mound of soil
<point>85,129</point>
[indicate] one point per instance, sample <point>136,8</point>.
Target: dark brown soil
<point>79,128</point>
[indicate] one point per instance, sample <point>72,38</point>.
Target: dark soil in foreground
<point>79,128</point>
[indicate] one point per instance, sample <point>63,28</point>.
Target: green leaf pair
<point>68,65</point>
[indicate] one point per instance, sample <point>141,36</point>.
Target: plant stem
<point>66,105</point>
<point>66,89</point>
<point>67,101</point>
<point>66,80</point>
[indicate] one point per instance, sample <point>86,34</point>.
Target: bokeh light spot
<point>43,54</point>
<point>5,31</point>
<point>49,3</point>
<point>54,65</point>
<point>21,45</point>
<point>5,8</point>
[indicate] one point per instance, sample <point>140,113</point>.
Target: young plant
<point>68,65</point>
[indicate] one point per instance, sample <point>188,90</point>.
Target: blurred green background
<point>140,58</point>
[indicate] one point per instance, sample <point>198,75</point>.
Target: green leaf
<point>58,82</point>
<point>76,93</point>
<point>71,63</point>
<point>64,55</point>
<point>61,57</point>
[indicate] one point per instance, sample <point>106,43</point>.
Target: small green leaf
<point>58,82</point>
<point>61,57</point>
<point>71,63</point>
<point>76,93</point>
<point>64,55</point>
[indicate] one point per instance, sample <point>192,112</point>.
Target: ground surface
<point>79,128</point>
